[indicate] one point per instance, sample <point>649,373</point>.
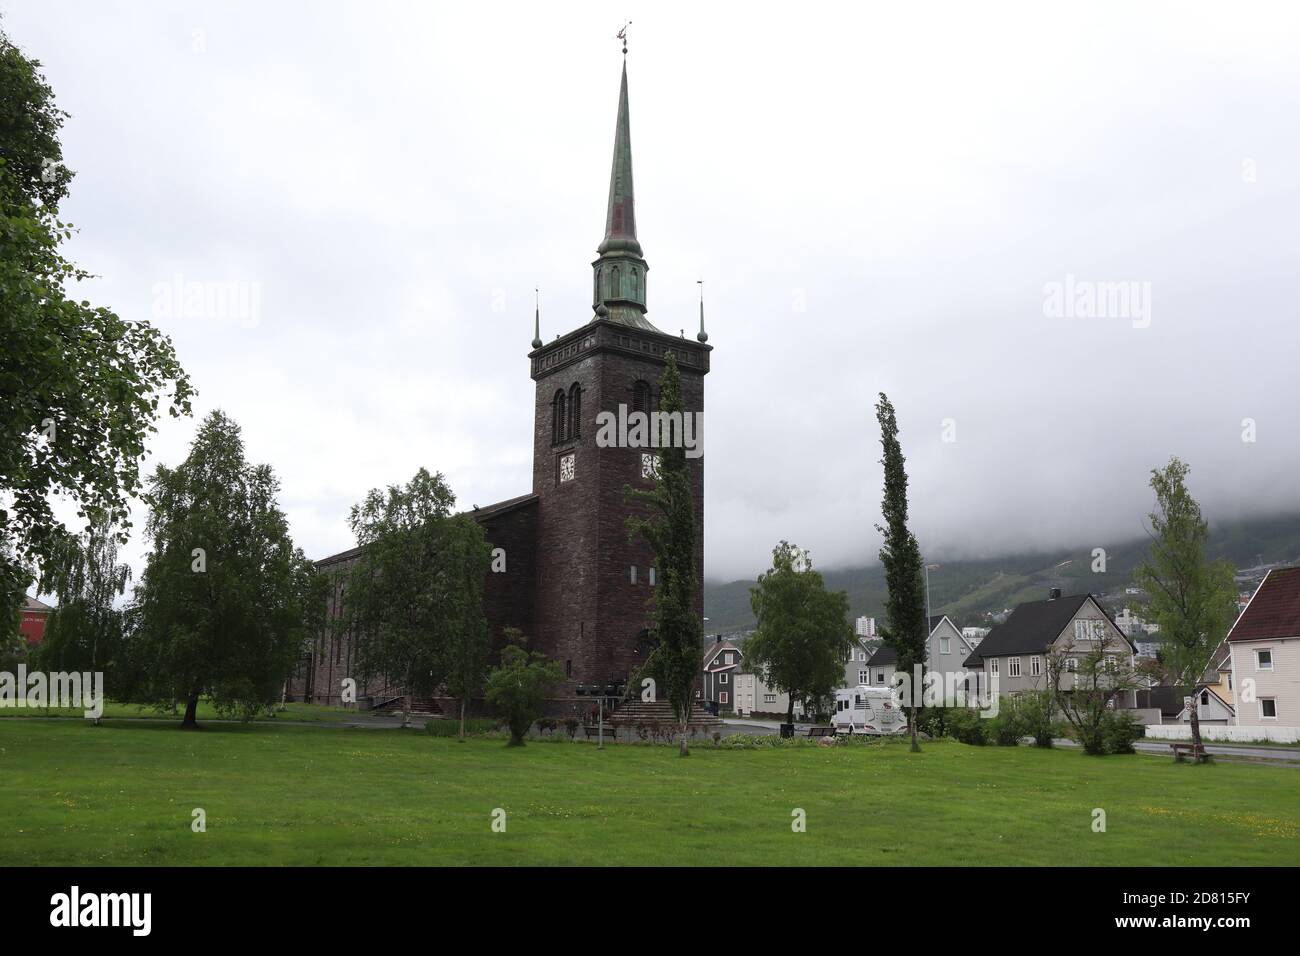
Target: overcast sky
<point>878,198</point>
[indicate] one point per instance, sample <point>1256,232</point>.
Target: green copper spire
<point>620,219</point>
<point>618,292</point>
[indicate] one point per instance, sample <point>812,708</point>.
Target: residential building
<point>856,668</point>
<point>865,627</point>
<point>1017,650</point>
<point>1264,648</point>
<point>752,696</point>
<point>946,652</point>
<point>722,662</point>
<point>1217,704</point>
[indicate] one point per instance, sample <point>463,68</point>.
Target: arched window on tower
<point>641,397</point>
<point>575,411</point>
<point>634,280</point>
<point>615,292</point>
<point>558,422</point>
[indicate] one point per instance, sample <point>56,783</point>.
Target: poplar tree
<point>670,531</point>
<point>907,629</point>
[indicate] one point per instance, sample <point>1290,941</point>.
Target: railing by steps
<point>637,711</point>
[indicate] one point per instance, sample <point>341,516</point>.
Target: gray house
<point>857,667</point>
<point>722,662</point>
<point>946,653</point>
<point>1016,651</point>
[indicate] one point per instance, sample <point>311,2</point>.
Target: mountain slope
<point>967,589</point>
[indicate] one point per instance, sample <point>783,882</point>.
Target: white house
<point>1265,652</point>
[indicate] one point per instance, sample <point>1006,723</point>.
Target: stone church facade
<point>574,582</point>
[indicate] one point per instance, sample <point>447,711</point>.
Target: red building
<point>32,624</point>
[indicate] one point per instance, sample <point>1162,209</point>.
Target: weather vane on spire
<point>622,35</point>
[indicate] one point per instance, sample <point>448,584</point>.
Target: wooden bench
<point>593,730</point>
<point>821,731</point>
<point>1196,751</point>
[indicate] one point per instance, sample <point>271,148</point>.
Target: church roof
<point>480,514</point>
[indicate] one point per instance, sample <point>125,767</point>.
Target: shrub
<point>1118,731</point>
<point>1006,728</point>
<point>571,725</point>
<point>1035,711</point>
<point>966,726</point>
<point>1092,739</point>
<point>932,721</point>
<point>518,687</point>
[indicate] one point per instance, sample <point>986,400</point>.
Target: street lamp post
<point>928,569</point>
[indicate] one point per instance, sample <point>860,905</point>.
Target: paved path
<point>733,725</point>
<point>1240,751</point>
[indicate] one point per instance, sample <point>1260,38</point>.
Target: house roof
<point>35,604</point>
<point>1031,628</point>
<point>713,650</point>
<point>1274,611</point>
<point>1168,699</point>
<point>884,655</point>
<point>480,514</point>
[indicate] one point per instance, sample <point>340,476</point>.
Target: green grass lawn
<point>117,710</point>
<point>122,793</point>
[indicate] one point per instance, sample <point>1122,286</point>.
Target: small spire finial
<point>703,336</point>
<point>622,35</point>
<point>537,319</point>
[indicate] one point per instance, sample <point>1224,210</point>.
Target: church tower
<point>593,585</point>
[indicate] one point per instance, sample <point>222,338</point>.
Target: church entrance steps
<point>425,708</point>
<point>633,712</point>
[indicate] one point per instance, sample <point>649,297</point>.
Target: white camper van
<point>868,710</point>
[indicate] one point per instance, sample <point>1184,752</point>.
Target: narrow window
<point>634,574</point>
<point>652,584</point>
<point>641,397</point>
<point>1268,708</point>
<point>557,418</point>
<point>575,411</point>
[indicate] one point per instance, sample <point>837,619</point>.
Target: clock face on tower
<point>567,467</point>
<point>650,466</point>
